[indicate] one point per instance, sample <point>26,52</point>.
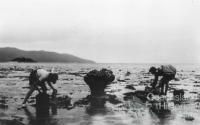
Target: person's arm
<point>36,88</point>
<point>51,86</point>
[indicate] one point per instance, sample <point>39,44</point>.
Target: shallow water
<point>119,110</point>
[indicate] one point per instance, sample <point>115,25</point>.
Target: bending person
<point>167,72</point>
<point>38,79</point>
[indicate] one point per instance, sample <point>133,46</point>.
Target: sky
<point>106,31</point>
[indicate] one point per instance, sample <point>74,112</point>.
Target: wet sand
<point>74,106</point>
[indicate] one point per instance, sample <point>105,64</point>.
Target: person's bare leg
<point>162,89</point>
<point>28,94</point>
<point>166,87</point>
<point>161,86</point>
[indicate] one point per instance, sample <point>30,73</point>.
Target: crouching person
<point>37,81</point>
<point>167,72</point>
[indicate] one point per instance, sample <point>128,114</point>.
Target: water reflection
<point>42,115</point>
<point>3,103</point>
<point>155,112</point>
<point>96,106</point>
<point>162,111</point>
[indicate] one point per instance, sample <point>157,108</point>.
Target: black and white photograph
<point>99,62</point>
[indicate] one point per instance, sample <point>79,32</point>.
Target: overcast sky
<point>161,31</point>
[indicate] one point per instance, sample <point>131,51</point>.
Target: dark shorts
<point>166,78</point>
<point>169,76</point>
<point>33,79</point>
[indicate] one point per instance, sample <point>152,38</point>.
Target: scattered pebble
<point>130,87</point>
<point>189,118</point>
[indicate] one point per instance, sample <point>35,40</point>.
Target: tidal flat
<point>120,107</point>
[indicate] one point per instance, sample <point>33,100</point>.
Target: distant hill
<point>8,54</point>
<point>23,59</point>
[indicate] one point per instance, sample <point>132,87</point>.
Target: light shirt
<point>168,69</point>
<point>42,74</point>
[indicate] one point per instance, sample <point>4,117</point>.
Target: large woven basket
<point>99,80</point>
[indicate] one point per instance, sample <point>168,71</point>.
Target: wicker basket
<point>98,81</point>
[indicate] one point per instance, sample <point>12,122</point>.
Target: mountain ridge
<point>9,53</point>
